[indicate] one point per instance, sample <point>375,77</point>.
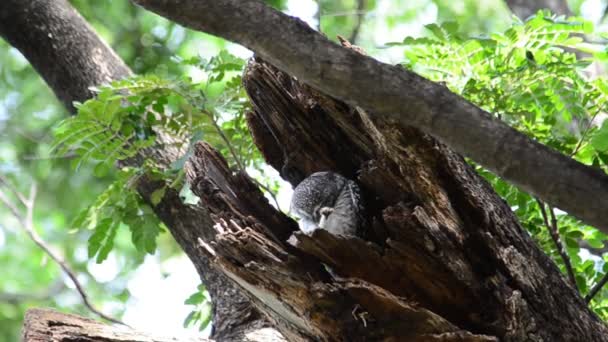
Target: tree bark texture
<point>45,325</point>
<point>70,56</point>
<point>445,258</point>
<point>393,93</point>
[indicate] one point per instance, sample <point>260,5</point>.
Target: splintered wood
<point>443,257</point>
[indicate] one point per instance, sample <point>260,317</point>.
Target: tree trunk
<point>446,258</point>
<point>61,46</point>
<point>70,56</point>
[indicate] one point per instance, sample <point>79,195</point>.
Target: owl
<point>327,200</point>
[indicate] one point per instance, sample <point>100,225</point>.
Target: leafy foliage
<point>113,208</point>
<point>130,116</point>
<point>201,312</point>
<point>530,77</point>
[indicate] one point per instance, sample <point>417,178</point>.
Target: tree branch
<point>596,289</point>
<point>359,21</point>
<point>396,94</point>
<point>70,78</point>
<point>26,223</point>
<point>237,159</point>
<point>554,233</point>
<point>52,326</point>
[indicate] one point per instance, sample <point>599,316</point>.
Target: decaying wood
<point>295,291</point>
<point>46,325</point>
<point>392,92</point>
<point>445,260</point>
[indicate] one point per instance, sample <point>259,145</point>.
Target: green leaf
<point>595,243</point>
<point>576,234</point>
<point>80,220</point>
<point>101,169</point>
<point>196,298</point>
<point>102,239</point>
<point>108,245</point>
<point>600,140</point>
<point>206,316</point>
<point>144,231</point>
<point>158,195</point>
<point>571,243</point>
<point>192,317</point>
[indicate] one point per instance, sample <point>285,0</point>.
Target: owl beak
<point>325,212</point>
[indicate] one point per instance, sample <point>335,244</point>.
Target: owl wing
<point>346,218</point>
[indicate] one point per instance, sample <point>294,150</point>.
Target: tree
<point>426,205</point>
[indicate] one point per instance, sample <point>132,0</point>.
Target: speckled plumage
<point>327,200</point>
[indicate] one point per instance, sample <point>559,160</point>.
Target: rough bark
<point>70,56</point>
<point>526,8</point>
<point>45,325</point>
<point>61,46</point>
<point>295,292</point>
<point>392,93</point>
<point>446,258</point>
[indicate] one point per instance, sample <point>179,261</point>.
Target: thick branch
<point>400,95</point>
<point>26,222</point>
<point>45,325</point>
<point>61,46</point>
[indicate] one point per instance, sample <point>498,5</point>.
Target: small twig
<point>70,155</point>
<point>238,160</point>
<point>269,191</point>
<point>318,15</point>
<point>554,233</point>
<point>27,223</point>
<point>17,194</point>
<point>596,288</point>
<point>579,144</point>
<point>359,21</point>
